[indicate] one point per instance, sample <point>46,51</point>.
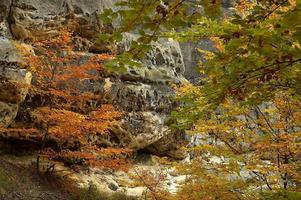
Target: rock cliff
<point>143,93</point>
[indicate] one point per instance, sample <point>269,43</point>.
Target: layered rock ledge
<point>144,94</point>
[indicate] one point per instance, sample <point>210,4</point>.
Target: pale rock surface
<point>14,81</point>
<point>142,93</point>
<point>119,181</point>
<point>8,113</point>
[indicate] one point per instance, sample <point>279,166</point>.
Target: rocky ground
<point>18,181</point>
<point>132,182</point>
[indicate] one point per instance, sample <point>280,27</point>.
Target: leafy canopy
<point>150,19</point>
<point>246,109</point>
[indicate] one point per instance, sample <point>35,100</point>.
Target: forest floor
<point>19,181</point>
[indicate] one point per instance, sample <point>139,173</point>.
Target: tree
<point>150,20</point>
<point>67,116</point>
<point>153,181</point>
<point>248,103</point>
<point>256,63</point>
<point>257,46</point>
<point>258,52</point>
<point>245,150</point>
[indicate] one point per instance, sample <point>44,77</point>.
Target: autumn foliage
<point>66,110</point>
<point>153,181</point>
<point>244,149</point>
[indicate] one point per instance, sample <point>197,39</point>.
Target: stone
<point>8,112</point>
<point>140,129</point>
<point>145,127</point>
<point>4,12</point>
<point>132,96</point>
<point>113,186</point>
<point>163,63</point>
<point>192,57</point>
<point>34,20</point>
<point>8,52</point>
<point>144,94</point>
<point>19,75</point>
<point>169,146</point>
<point>135,192</point>
<point>14,84</point>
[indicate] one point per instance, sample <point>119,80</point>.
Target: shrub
<point>93,193</point>
<point>281,195</point>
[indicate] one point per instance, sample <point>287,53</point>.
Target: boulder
<point>137,96</point>
<point>145,94</point>
<point>8,113</point>
<point>163,64</point>
<point>170,145</point>
<point>4,12</point>
<point>141,129</point>
<point>14,81</point>
<point>9,52</point>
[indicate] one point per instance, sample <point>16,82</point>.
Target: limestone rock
<point>4,12</point>
<point>18,75</point>
<point>8,113</point>
<point>137,96</point>
<point>169,146</point>
<point>14,81</point>
<point>163,63</point>
<point>143,94</point>
<point>140,129</point>
<point>192,57</point>
<point>8,52</point>
<point>34,20</point>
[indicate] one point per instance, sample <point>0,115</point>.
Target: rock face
<point>142,93</point>
<point>14,81</point>
<point>8,113</point>
<point>192,57</point>
<point>145,93</point>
